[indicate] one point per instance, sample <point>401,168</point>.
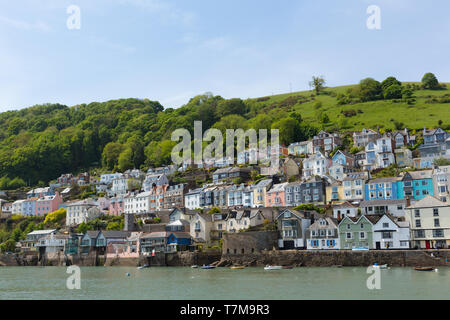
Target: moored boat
<point>382,266</point>
<point>287,267</point>
<point>194,266</point>
<point>144,266</point>
<point>273,267</point>
<point>208,267</point>
<point>237,267</point>
<point>424,268</point>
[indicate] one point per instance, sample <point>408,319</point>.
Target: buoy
<point>435,270</point>
<point>127,274</point>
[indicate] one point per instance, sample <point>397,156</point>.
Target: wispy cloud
<point>112,45</point>
<point>167,11</point>
<point>23,25</point>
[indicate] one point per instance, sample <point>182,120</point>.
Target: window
<point>418,224</point>
<point>437,233</point>
<point>348,226</point>
<point>436,212</point>
<point>362,225</point>
<point>419,233</point>
<point>348,235</point>
<point>362,235</point>
<point>436,223</point>
<point>385,225</point>
<point>417,213</point>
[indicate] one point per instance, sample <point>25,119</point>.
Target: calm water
<point>222,283</point>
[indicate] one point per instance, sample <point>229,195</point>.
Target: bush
<point>55,216</point>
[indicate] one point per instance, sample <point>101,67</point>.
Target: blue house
<point>381,189</point>
<point>416,184</point>
<point>178,241</point>
<point>344,158</point>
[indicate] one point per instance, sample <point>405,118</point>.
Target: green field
<point>381,113</point>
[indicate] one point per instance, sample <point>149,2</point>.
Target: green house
<point>356,233</point>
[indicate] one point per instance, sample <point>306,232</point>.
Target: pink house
<point>47,204</point>
<point>116,206</point>
<point>275,196</point>
<point>124,249</point>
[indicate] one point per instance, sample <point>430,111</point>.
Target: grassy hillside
<point>381,113</point>
<point>39,143</point>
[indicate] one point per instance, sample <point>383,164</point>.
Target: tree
<point>389,82</point>
<point>369,90</point>
<point>233,106</point>
<point>8,246</point>
<point>111,153</point>
<point>393,92</point>
<point>289,129</point>
<point>317,83</point>
<point>429,81</point>
<point>55,216</point>
<point>113,226</point>
<point>126,160</point>
<point>83,227</point>
<point>441,162</point>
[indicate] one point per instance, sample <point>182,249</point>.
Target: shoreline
<point>295,258</point>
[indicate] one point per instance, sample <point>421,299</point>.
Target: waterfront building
<point>356,233</point>
<point>381,188</point>
<point>292,226</point>
<point>260,192</point>
<point>429,220</point>
<point>81,211</point>
<point>389,233</point>
<point>276,195</point>
<point>343,210</point>
<point>323,234</point>
<point>394,207</point>
<point>441,180</point>
<point>310,191</point>
<point>416,185</point>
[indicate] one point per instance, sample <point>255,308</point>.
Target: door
<point>289,245</point>
<point>378,245</point>
<point>427,244</point>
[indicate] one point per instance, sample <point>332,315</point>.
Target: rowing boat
<point>273,267</point>
<point>424,268</point>
<point>237,267</point>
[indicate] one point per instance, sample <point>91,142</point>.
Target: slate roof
<point>428,202</point>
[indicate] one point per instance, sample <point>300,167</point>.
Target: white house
<point>192,199</point>
<point>429,219</point>
<point>119,185</point>
<point>345,209</point>
<point>323,234</point>
<point>81,211</point>
<point>391,234</point>
<point>317,164</point>
<point>109,177</point>
<point>139,203</point>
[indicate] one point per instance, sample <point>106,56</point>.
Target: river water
<point>183,283</point>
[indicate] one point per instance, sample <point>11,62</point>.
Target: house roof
<point>345,204</point>
<point>424,174</point>
<point>379,202</point>
<point>428,202</point>
<point>116,234</point>
<point>330,222</point>
<point>387,179</point>
<point>93,234</point>
<point>37,232</point>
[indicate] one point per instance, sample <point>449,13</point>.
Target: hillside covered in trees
<point>39,143</point>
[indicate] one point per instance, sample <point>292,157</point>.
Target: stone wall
<point>397,258</point>
<point>249,242</point>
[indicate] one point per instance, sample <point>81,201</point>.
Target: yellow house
<point>335,193</point>
<point>260,192</point>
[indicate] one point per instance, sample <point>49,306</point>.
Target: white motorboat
<point>273,267</point>
<point>382,266</point>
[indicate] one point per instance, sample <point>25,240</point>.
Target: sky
<point>170,50</point>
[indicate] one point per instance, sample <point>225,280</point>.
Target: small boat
<point>424,268</point>
<point>208,267</point>
<point>194,266</point>
<point>287,267</point>
<point>382,266</point>
<point>144,266</point>
<point>237,267</point>
<point>273,267</point>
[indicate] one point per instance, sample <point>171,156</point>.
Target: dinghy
<point>273,267</point>
<point>237,267</point>
<point>143,267</point>
<point>208,267</point>
<point>424,268</point>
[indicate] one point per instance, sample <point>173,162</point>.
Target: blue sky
<point>170,51</point>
